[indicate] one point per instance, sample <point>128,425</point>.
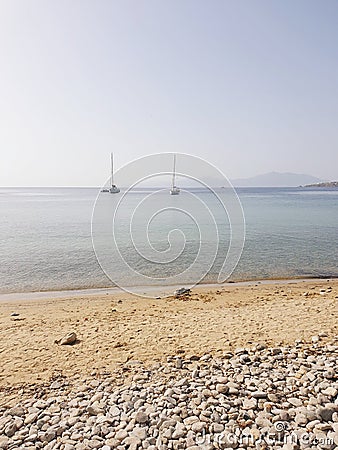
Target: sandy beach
<point>115,329</point>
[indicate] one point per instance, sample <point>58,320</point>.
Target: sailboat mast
<point>112,168</point>
<point>174,171</point>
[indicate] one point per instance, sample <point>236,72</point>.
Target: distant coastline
<point>277,179</point>
<point>328,184</point>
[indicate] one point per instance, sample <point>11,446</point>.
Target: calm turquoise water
<point>45,237</point>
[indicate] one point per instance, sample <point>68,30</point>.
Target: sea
<point>79,238</point>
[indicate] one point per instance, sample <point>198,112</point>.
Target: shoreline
<point>65,293</point>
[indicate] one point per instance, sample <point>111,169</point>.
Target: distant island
<point>276,179</point>
<point>327,184</point>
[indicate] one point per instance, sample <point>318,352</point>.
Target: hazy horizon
<point>252,87</point>
<point>270,180</point>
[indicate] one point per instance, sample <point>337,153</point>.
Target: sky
<point>250,86</point>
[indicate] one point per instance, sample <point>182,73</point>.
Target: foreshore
<point>114,328</point>
<point>233,366</point>
<point>98,291</point>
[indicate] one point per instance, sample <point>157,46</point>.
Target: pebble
<point>326,413</point>
<point>68,339</point>
<point>259,394</point>
<point>141,417</point>
<point>295,401</point>
<point>255,392</point>
<point>30,418</point>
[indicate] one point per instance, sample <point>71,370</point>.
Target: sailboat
<point>174,189</point>
<point>113,189</point>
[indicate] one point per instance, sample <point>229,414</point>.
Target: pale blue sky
<point>252,86</point>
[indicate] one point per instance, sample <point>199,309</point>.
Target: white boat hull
<point>174,191</point>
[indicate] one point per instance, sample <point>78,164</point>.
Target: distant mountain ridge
<point>276,179</point>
